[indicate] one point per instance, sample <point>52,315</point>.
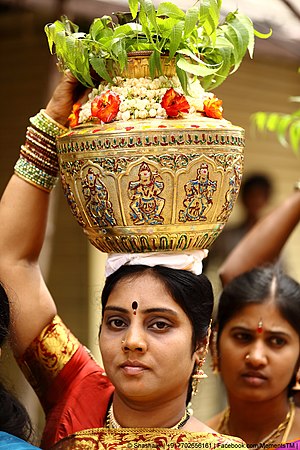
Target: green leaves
<point>285,126</point>
<point>202,45</point>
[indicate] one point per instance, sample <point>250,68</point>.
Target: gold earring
<point>198,375</point>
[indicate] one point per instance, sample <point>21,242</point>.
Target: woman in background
<point>15,425</point>
<point>265,241</point>
<point>257,351</point>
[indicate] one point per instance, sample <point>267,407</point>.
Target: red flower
<point>106,106</point>
<point>213,108</point>
<point>174,103</point>
<point>74,116</point>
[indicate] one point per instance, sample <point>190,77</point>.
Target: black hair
<point>261,285</point>
<point>14,418</point>
<point>193,293</point>
<point>258,180</point>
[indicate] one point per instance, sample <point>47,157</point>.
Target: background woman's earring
<point>296,387</point>
<point>198,375</point>
<point>214,352</point>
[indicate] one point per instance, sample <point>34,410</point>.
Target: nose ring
<point>123,341</point>
<point>247,356</point>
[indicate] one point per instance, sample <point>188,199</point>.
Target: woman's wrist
<point>45,123</point>
<point>38,163</point>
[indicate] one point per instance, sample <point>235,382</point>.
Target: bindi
<point>134,306</point>
<point>259,328</point>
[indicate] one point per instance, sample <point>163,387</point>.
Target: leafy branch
<point>202,46</point>
<point>285,126</point>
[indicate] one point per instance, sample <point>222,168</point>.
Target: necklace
<point>112,423</point>
<point>284,427</point>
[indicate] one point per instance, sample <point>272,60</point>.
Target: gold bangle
<point>297,186</point>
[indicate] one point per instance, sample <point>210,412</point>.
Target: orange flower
<point>174,103</point>
<point>74,116</point>
<point>106,106</point>
<point>213,108</point>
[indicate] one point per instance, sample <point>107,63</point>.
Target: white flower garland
<point>141,97</point>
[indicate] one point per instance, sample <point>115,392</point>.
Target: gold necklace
<point>112,423</point>
<point>283,427</point>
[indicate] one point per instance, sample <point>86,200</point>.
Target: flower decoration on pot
<point>174,103</point>
<point>153,165</point>
<point>106,106</point>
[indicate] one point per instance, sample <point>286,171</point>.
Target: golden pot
<point>152,185</point>
<point>138,65</point>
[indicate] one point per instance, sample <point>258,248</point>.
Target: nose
<point>134,339</point>
<point>256,355</point>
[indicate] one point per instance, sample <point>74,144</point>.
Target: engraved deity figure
<point>146,204</point>
<point>198,196</point>
<point>97,202</point>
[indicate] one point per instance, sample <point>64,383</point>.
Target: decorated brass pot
<point>152,185</point>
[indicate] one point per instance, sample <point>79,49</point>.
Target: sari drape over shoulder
<point>150,438</point>
<point>75,394</point>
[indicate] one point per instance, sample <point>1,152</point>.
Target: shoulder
<point>196,425</point>
<point>295,431</point>
<point>214,421</point>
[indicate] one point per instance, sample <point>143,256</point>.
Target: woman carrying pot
<point>257,351</point>
<point>153,336</point>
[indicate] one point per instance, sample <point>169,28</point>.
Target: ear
<point>297,384</point>
<point>201,350</point>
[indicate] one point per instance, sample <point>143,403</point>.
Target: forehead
<point>267,312</point>
<point>146,289</point>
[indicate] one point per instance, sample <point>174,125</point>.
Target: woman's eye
<point>242,337</point>
<point>116,323</point>
<point>160,325</point>
<point>277,341</point>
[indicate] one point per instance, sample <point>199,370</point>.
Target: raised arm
<point>264,242</point>
<point>23,219</point>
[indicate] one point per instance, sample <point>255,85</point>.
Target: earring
<point>198,375</point>
<point>214,351</point>
<point>296,387</point>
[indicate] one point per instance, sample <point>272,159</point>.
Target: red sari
<point>70,384</point>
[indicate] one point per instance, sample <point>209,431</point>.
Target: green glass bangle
<point>43,122</point>
<point>33,175</point>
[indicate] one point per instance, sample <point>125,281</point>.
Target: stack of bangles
<point>38,164</point>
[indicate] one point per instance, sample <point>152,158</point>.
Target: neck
<point>147,414</point>
<point>264,417</point>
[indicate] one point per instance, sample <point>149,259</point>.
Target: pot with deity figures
<point>154,184</point>
<point>149,163</point>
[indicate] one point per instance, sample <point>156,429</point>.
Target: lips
<point>133,367</point>
<point>254,378</point>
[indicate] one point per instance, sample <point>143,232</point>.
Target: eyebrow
<point>251,330</point>
<point>144,311</point>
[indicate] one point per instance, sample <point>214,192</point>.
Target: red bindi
<point>260,326</point>
<point>134,306</point>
